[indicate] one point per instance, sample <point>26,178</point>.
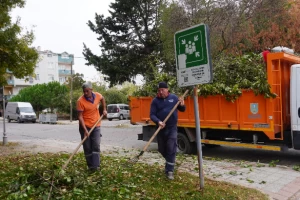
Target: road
<point>114,134</point>
<point>118,133</point>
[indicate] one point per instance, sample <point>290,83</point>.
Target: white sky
<point>61,25</point>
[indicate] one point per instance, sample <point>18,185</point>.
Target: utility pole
<point>71,94</point>
<point>3,114</point>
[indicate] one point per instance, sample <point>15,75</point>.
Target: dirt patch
<point>13,148</point>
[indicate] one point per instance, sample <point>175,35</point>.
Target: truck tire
<point>19,120</point>
<point>184,145</point>
<point>8,119</point>
<point>121,117</point>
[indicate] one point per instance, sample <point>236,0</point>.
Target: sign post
<point>3,115</point>
<point>193,66</point>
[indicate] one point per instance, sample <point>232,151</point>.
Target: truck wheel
<point>8,119</point>
<point>109,119</point>
<point>121,117</point>
<point>184,145</point>
<point>19,120</point>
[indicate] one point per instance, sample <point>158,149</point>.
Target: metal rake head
<point>136,158</point>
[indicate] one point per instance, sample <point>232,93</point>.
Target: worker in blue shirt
<point>161,106</point>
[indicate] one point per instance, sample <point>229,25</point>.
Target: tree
<point>31,94</point>
<point>113,96</point>
<point>54,95</point>
<point>42,96</point>
<point>16,55</point>
<point>130,41</point>
<point>236,26</point>
<point>77,81</point>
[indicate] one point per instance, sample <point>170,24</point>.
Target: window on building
<point>50,77</point>
<point>37,77</point>
<point>49,55</point>
<point>61,79</point>
<point>30,79</point>
<point>50,65</point>
<point>61,67</point>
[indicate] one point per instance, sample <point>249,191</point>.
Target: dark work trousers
<point>91,147</point>
<point>167,146</point>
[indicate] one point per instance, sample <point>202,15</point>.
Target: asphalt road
<point>121,134</point>
<point>115,133</point>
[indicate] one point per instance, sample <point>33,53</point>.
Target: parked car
<point>20,111</point>
<point>118,111</point>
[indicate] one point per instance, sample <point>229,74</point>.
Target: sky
<point>61,25</point>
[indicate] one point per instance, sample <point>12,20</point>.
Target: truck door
<point>295,105</point>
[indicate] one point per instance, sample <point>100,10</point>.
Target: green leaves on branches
<point>231,75</point>
<point>16,55</point>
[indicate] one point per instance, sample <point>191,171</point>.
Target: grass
<point>30,177</point>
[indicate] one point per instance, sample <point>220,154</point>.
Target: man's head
<point>87,89</point>
<point>163,90</point>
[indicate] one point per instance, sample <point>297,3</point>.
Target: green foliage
<point>130,41</point>
<point>31,176</point>
<point>42,96</point>
<point>231,74</point>
<point>115,96</point>
<point>16,55</point>
<point>77,81</point>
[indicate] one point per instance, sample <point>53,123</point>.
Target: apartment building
<point>50,67</point>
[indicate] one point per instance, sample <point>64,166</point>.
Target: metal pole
<point>198,138</point>
<point>4,130</point>
<point>71,95</point>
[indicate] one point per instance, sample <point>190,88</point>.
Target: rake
<point>82,141</point>
<point>136,158</point>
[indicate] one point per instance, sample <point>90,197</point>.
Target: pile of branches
<point>231,75</point>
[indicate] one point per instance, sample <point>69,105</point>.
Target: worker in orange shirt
<point>88,115</point>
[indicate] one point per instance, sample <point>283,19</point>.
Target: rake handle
<point>165,120</point>
<point>82,141</point>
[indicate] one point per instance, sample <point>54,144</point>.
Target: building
<point>50,67</point>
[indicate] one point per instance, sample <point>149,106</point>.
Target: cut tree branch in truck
<point>251,121</point>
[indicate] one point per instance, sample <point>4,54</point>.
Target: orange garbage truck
<point>251,121</point>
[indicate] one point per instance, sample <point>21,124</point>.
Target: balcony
<point>68,60</point>
<point>10,82</point>
<point>65,72</point>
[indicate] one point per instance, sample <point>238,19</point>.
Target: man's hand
<point>86,133</point>
<point>104,112</point>
<point>181,101</point>
<point>161,124</point>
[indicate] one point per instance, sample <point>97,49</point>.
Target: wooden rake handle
<point>82,141</point>
<point>166,119</point>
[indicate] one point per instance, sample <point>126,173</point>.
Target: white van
<point>118,111</point>
<point>20,111</point>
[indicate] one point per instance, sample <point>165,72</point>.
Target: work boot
<point>170,175</point>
